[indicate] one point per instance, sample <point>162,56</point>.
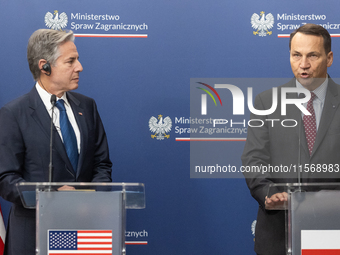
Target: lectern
<point>89,220</point>
<point>312,217</point>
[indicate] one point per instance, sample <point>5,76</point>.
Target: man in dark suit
<point>314,140</point>
<point>25,133</point>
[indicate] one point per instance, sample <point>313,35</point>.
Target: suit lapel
<point>43,119</point>
<point>330,106</point>
<point>39,112</point>
<point>78,112</point>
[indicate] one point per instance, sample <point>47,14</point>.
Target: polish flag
<point>320,242</point>
<point>2,233</point>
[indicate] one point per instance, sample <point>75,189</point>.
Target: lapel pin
<point>80,113</point>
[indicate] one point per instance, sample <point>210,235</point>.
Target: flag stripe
<point>320,240</point>
<point>188,139</point>
<point>113,35</point>
<point>94,237</point>
<point>98,236</point>
<point>320,252</point>
<point>94,240</point>
<point>97,252</point>
<point>80,252</point>
<point>92,249</point>
<point>95,245</point>
<point>82,243</point>
<point>288,35</point>
<point>94,231</point>
<point>136,243</point>
<point>2,247</point>
<point>2,233</point>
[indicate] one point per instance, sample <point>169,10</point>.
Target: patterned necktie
<point>69,137</point>
<point>309,122</point>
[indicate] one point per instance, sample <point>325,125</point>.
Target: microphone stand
<point>299,155</point>
<point>299,158</point>
<point>50,166</point>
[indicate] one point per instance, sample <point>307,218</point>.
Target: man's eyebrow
<point>314,52</point>
<point>72,58</point>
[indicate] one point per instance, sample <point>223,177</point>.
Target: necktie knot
<point>60,105</point>
<point>312,96</point>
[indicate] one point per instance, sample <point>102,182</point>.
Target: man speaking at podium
<point>315,140</point>
<point>80,149</point>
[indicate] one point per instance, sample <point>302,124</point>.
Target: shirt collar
<point>46,97</point>
<point>320,91</point>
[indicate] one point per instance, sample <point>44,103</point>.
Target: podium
<point>312,217</point>
<point>88,220</point>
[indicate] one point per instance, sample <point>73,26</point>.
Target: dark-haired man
<point>315,140</point>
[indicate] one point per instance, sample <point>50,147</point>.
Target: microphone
<point>301,95</point>
<point>50,166</point>
<point>53,100</point>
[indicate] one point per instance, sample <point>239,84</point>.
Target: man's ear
<point>329,58</point>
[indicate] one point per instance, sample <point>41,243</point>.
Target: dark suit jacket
<point>280,145</point>
<point>24,156</point>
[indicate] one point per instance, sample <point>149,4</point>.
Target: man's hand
<point>277,201</point>
<point>65,187</point>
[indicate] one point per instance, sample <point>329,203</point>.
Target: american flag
<point>80,242</point>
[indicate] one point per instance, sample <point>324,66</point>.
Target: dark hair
<point>317,30</point>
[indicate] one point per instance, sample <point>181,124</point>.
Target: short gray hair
<point>44,44</point>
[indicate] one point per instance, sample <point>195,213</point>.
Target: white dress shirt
<point>318,101</point>
<point>46,98</point>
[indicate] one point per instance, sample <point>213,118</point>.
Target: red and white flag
<point>2,233</point>
<point>320,242</point>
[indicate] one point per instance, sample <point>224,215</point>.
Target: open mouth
<point>304,75</point>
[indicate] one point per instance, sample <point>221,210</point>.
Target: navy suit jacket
<point>277,145</point>
<point>24,156</point>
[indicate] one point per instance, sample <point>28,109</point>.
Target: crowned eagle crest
<point>262,23</point>
<point>57,22</point>
<point>160,127</point>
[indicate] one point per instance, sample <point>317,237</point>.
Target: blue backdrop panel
<point>148,74</point>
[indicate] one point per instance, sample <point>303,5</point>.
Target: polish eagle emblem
<point>262,23</point>
<point>56,21</point>
<point>160,127</point>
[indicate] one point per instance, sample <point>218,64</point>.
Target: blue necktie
<point>69,137</point>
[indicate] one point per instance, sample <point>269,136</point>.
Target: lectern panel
<point>80,222</point>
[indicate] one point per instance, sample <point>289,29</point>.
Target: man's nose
<point>79,67</point>
<point>304,63</point>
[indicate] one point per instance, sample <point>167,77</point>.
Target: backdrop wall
<point>138,58</point>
